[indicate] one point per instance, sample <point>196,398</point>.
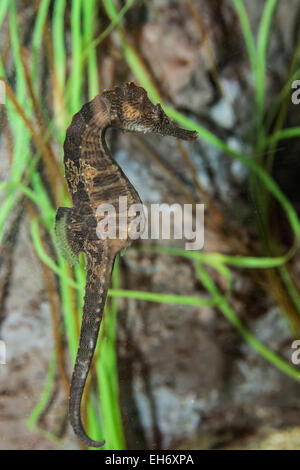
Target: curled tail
<point>99,267</point>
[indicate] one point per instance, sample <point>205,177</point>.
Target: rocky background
<point>187,379</point>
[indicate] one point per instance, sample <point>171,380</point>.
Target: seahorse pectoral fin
<point>68,241</point>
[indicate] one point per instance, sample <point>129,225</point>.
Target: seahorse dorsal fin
<point>62,239</point>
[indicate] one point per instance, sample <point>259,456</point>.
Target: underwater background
<point>197,348</point>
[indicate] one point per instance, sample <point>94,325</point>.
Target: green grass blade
<point>38,34</point>
<point>212,259</point>
<point>262,43</point>
<point>59,51</point>
<point>3,10</point>
<point>248,36</point>
<point>76,78</point>
<point>89,14</point>
<point>107,375</point>
<point>289,133</point>
<point>161,298</point>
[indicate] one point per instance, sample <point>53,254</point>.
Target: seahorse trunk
<point>99,267</point>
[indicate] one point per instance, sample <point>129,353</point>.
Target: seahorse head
<point>130,109</point>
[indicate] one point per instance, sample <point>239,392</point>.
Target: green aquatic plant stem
<point>107,375</point>
<point>76,72</point>
<point>38,35</point>
<point>262,44</point>
<point>249,262</point>
<point>58,39</point>
<point>89,14</point>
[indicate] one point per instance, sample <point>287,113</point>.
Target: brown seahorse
<point>95,178</point>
